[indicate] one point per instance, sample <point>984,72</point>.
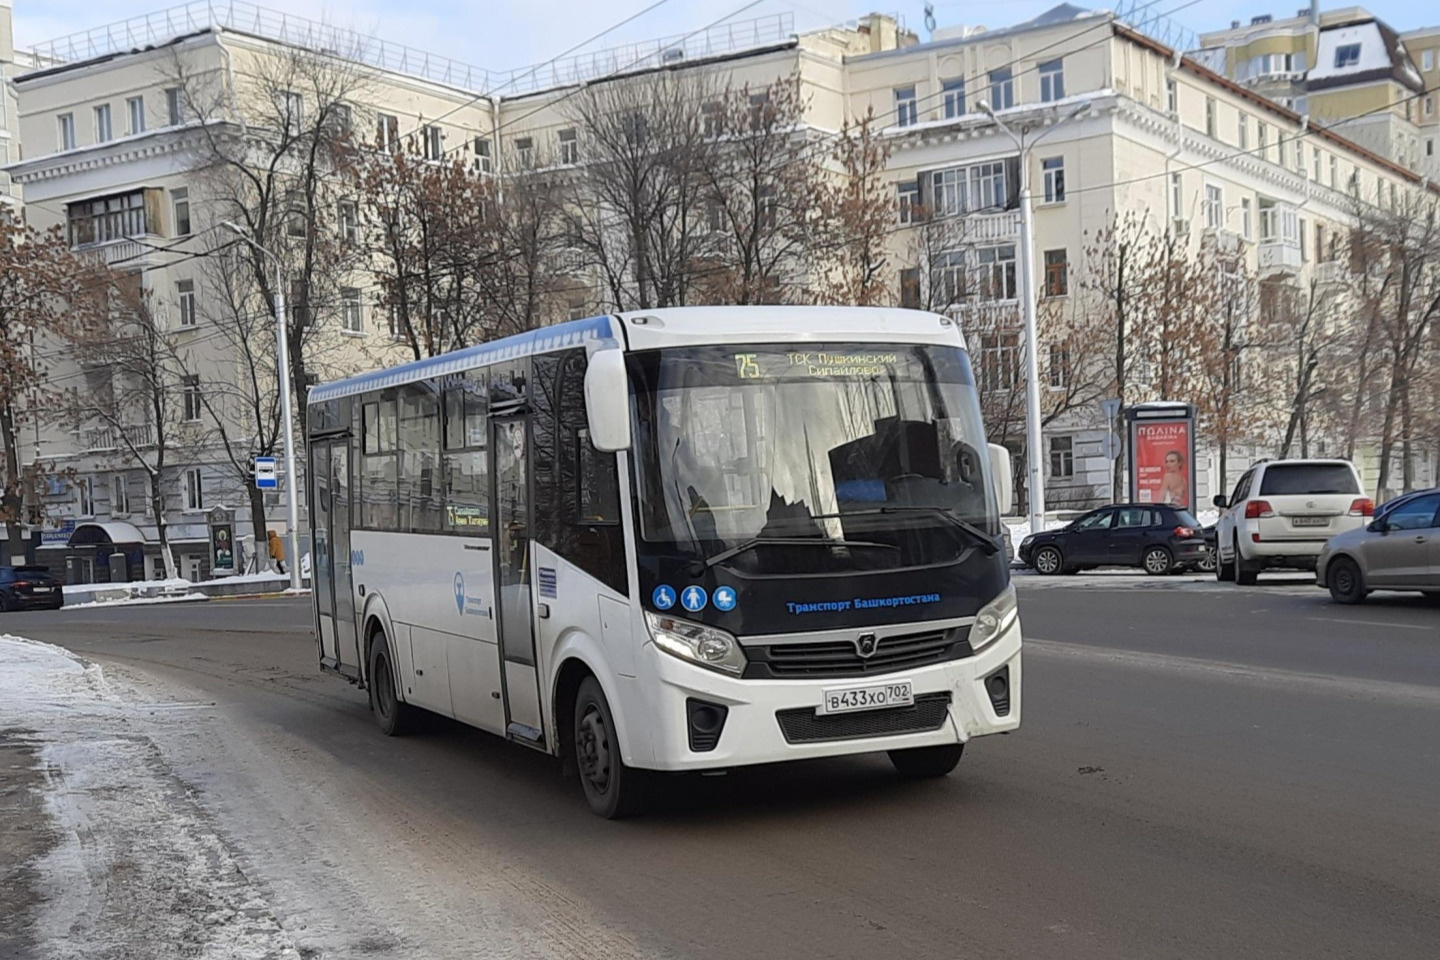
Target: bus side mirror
<point>1004,476</point>
<point>607,401</point>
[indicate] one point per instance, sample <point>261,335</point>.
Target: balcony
<point>108,439</point>
<point>1330,274</point>
<point>1279,256</point>
<point>991,227</point>
<point>126,253</point>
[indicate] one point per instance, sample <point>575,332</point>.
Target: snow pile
<point>138,871</point>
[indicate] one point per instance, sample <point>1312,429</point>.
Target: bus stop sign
<point>265,476</point>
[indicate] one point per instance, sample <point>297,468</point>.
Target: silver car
<point>1399,550</point>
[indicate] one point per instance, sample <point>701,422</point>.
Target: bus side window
<point>464,467</point>
<point>378,463</point>
<point>577,500</point>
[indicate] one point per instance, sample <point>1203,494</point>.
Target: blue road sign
<point>265,475</point>
<point>663,597</point>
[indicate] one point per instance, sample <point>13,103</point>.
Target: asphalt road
<point>1238,772</point>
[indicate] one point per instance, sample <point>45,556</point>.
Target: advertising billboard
<point>1162,454</point>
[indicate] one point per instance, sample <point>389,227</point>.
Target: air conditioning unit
<point>1181,226</point>
<point>672,54</point>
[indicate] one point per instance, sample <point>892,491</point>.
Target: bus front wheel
<point>392,714</point>
<point>612,789</point>
<point>927,761</point>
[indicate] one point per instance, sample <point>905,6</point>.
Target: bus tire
<point>920,762</point>
<point>394,717</point>
<point>612,789</point>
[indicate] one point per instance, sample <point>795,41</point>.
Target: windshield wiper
<point>753,542</point>
<point>981,538</point>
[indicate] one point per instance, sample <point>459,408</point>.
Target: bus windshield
<point>779,459</point>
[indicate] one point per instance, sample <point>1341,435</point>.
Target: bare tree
<point>45,293</point>
<point>856,212</point>
<point>271,142</point>
<point>1221,337</point>
<point>634,208</point>
<point>140,399</point>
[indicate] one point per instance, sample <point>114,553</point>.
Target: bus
<point>683,539</point>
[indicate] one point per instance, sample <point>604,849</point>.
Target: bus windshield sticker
<point>724,598</point>
<point>694,598</point>
<point>548,586</point>
<point>663,597</point>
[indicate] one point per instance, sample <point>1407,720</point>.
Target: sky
<point>501,35</point>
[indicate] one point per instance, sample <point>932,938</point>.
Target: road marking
<point>1371,623</point>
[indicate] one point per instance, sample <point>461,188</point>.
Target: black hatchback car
<point>28,588</point>
<point>1157,538</point>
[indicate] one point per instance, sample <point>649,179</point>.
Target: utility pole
<point>1029,294</point>
<point>287,413</point>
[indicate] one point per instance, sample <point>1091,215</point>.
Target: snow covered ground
<point>138,869</point>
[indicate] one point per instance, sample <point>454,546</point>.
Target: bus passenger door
<point>509,442</point>
<point>330,556</point>
<point>342,583</point>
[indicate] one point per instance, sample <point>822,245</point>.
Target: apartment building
<point>1119,123</point>
<point>1424,47</point>
<point>9,135</point>
<point>1344,68</point>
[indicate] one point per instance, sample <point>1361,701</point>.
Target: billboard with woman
<point>1162,454</point>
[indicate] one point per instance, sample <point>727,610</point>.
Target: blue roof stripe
<point>544,340</point>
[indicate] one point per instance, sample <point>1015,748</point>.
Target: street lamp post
<point>1034,468</point>
<point>287,414</point>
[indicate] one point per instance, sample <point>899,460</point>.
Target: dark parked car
<point>1157,538</point>
<point>24,588</point>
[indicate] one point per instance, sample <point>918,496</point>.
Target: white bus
<point>674,540</point>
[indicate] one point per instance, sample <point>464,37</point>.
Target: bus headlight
<point>706,646</point>
<point>994,619</point>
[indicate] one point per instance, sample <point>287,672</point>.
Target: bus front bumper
<point>765,721</point>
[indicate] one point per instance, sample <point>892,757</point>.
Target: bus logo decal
<point>866,644</point>
<point>460,593</point>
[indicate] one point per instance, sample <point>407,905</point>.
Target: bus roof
<point>671,327</point>
<point>561,336</point>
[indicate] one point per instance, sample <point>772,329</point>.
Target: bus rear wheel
<point>919,762</point>
<point>612,789</point>
<point>393,716</point>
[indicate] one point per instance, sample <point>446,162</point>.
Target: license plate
<point>873,696</point>
<point>1310,521</point>
<point>40,589</point>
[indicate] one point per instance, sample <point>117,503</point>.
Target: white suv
<point>1281,514</point>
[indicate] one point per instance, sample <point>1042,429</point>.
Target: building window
<point>1429,146</point>
<point>999,361</point>
<point>1430,106</point>
<point>1052,81</point>
<point>1209,116</point>
<point>1002,89</point>
<point>1315,164</point>
<point>180,207</point>
<point>948,277</point>
<point>387,132</point>
<point>292,107</point>
<point>1059,372</point>
<point>710,119</point>
<point>103,130</point>
<point>1262,141</point>
<point>1053,171</point>
<point>1243,132</point>
<point>995,268</point>
<point>107,218</point>
<point>907,199</point>
<point>185,297</point>
<point>352,316</point>
<point>1062,457</point>
<point>349,222</point>
<point>1214,206</point>
<point>194,491</point>
<point>954,93</point>
<point>295,224</point>
<point>84,497</point>
<point>434,139</point>
<point>135,106</point>
<point>1347,55</point>
<point>907,111</point>
<point>910,288</point>
<point>67,130</point>
<point>119,496</point>
<point>1172,97</point>
<point>483,162</point>
<point>1057,273</point>
<point>174,107</point>
<point>524,152</point>
<point>968,189</point>
<point>569,147</point>
<point>190,399</point>
<point>1427,60</point>
<point>342,120</point>
<point>1334,176</point>
<point>1304,247</point>
<point>1177,196</point>
<point>1247,218</point>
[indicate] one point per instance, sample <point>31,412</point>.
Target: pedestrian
<point>277,550</point>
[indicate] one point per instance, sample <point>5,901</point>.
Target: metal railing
<point>242,16</point>
<point>101,439</point>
